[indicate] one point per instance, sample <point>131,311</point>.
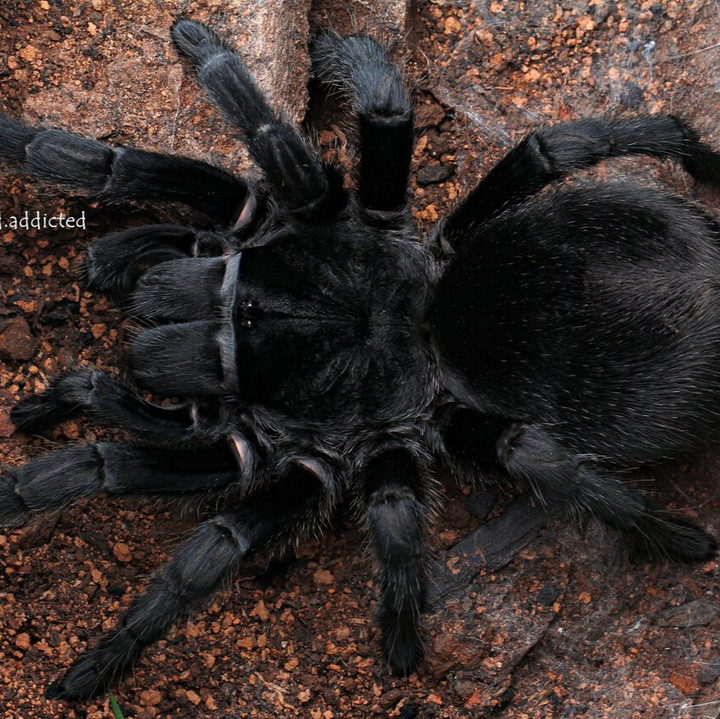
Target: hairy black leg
<point>550,153</point>
<point>361,69</point>
<point>533,456</point>
<point>299,178</point>
<point>63,477</point>
<point>106,400</point>
<point>116,261</point>
<point>294,505</point>
<point>395,516</point>
<point>121,173</point>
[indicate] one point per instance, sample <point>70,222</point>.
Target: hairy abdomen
<point>595,309</point>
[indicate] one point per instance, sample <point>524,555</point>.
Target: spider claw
<point>244,453</point>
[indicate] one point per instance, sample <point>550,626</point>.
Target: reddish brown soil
<point>569,628</point>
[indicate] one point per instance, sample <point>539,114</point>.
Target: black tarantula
<point>554,337</point>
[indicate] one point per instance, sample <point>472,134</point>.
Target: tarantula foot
<point>402,645</point>
<point>99,669</point>
<point>194,39</point>
<point>64,399</point>
<point>676,539</point>
<point>34,414</point>
<point>81,681</point>
<point>13,511</point>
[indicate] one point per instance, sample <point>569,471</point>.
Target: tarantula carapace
<point>550,338</point>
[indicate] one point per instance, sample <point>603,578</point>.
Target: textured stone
<point>433,174</point>
<point>16,340</point>
<point>697,613</point>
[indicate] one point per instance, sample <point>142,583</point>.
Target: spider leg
<point>121,173</point>
<point>361,69</point>
<point>108,401</point>
<point>395,516</point>
<point>533,457</point>
<point>116,261</point>
<point>530,454</point>
<point>292,506</point>
<point>550,153</point>
<point>307,187</point>
<point>67,475</point>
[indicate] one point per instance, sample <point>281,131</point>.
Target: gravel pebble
<point>16,340</point>
<point>122,552</point>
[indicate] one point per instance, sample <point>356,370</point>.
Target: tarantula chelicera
<point>322,348</point>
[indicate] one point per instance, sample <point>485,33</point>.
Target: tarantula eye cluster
<point>322,348</point>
